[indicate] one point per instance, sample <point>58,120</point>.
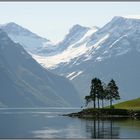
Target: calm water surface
<point>48,123</point>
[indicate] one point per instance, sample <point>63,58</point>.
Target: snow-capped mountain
<point>77,34</point>
<point>29,40</point>
<point>74,35</point>
<point>112,51</point>
<point>70,49</point>
<point>25,83</point>
<point>109,52</point>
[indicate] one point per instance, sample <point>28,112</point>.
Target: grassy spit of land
<point>128,109</point>
<point>106,113</point>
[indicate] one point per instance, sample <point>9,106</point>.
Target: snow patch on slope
<point>97,44</point>
<point>117,41</point>
<point>99,58</point>
<point>70,74</point>
<point>74,74</point>
<point>88,34</point>
<point>70,53</point>
<point>132,16</point>
<point>64,57</point>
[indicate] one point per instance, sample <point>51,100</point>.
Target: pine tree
<point>96,92</point>
<point>112,92</point>
<point>103,94</point>
<point>88,99</point>
<point>92,96</point>
<point>93,91</point>
<point>100,92</point>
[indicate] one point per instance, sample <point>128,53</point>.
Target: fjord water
<point>49,123</point>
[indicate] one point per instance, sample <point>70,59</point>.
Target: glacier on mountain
<point>111,51</point>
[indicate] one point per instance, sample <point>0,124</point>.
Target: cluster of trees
<point>99,91</point>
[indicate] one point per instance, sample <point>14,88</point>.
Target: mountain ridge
<point>12,27</point>
<point>115,46</point>
<point>93,52</point>
<point>29,40</point>
<point>29,84</point>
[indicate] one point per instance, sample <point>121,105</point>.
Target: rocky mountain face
<point>29,40</point>
<point>69,50</point>
<point>112,51</point>
<point>25,83</point>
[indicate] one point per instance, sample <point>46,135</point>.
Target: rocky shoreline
<point>106,113</point>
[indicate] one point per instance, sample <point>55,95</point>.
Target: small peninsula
<point>100,92</point>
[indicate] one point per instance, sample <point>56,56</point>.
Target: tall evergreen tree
<point>103,94</point>
<point>88,99</point>
<point>93,91</point>
<point>100,91</point>
<point>112,91</point>
<point>96,91</point>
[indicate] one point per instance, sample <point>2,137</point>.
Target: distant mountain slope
<point>29,40</point>
<point>113,51</point>
<point>68,50</point>
<point>24,83</point>
<point>74,35</point>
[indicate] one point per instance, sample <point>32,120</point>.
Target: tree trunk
<point>102,103</point>
<point>98,103</point>
<point>110,103</point>
<point>94,103</point>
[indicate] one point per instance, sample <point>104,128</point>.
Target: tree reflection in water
<point>100,128</point>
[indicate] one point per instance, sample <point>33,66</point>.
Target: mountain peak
<point>126,18</point>
<point>120,19</point>
<point>75,33</point>
<point>132,17</point>
<point>120,22</point>
<point>11,24</point>
<point>77,27</point>
<point>15,29</point>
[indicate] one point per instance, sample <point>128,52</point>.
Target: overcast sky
<point>53,19</point>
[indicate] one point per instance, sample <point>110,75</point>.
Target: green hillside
<point>130,104</point>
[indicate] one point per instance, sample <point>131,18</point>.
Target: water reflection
<point>98,128</point>
<point>49,123</point>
